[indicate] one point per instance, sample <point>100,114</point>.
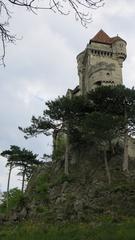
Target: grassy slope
<point>104,231</point>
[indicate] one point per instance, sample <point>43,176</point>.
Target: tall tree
<point>113,111</point>
<point>11,157</point>
<point>118,101</point>
<point>103,129</point>
<point>24,159</point>
<point>26,162</point>
<point>61,115</point>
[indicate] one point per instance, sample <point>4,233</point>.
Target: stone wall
<point>101,64</point>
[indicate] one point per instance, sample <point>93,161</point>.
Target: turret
<point>119,48</point>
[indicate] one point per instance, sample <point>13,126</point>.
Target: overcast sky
<point>42,65</point>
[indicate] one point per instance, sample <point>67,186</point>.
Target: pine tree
<point>120,102</point>
<point>11,157</point>
<point>61,115</point>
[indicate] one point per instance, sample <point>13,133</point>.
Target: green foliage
<point>101,126</point>
<point>22,158</point>
<point>44,213</point>
<point>58,113</point>
<point>16,198</point>
<point>42,210</point>
<point>95,231</point>
<point>116,101</point>
<point>105,114</point>
<point>41,188</point>
<point>61,178</point>
<point>11,155</point>
<point>102,110</point>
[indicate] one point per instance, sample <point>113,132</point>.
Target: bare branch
<point>61,6</point>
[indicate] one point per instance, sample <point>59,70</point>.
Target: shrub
<point>16,198</point>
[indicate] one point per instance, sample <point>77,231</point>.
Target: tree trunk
<point>8,184</point>
<point>23,180</point>
<point>66,165</point>
<point>125,158</point>
<point>54,143</point>
<point>107,167</point>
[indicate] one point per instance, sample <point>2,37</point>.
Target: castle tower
<point>101,62</point>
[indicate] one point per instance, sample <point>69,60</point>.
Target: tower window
<point>108,74</point>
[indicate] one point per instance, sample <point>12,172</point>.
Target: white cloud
<point>122,8</point>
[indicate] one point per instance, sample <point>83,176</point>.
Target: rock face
<point>85,194</point>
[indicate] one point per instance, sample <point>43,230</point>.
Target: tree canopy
<point>24,159</point>
<point>104,114</point>
<point>56,115</point>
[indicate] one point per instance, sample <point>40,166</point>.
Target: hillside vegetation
<point>87,190</point>
<point>101,231</point>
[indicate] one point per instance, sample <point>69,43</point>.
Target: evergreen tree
<point>106,113</point>
<point>102,128</point>
<point>11,157</point>
<point>61,115</point>
<point>26,162</point>
<point>118,101</point>
<point>22,158</point>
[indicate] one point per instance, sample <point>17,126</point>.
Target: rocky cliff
<point>85,194</point>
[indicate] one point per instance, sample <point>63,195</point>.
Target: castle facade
<point>100,64</point>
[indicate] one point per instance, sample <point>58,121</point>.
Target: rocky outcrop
<point>85,194</point>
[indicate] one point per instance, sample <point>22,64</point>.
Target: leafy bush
<point>41,188</point>
<point>16,198</point>
<point>61,178</point>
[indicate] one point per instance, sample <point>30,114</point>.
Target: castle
<point>100,63</point>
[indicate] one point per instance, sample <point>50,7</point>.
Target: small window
<point>108,74</point>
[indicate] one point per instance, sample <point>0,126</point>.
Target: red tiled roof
<point>102,37</point>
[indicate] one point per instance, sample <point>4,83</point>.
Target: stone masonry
<point>100,63</point>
